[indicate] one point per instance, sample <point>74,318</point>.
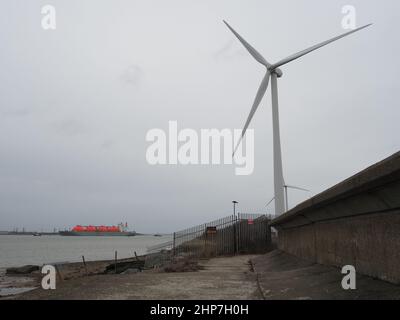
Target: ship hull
<point>97,234</point>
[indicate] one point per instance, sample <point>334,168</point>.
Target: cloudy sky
<point>76,104</point>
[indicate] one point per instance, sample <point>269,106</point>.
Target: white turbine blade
<point>297,188</point>
<point>270,201</point>
<point>313,48</point>
<point>260,94</point>
<point>256,55</point>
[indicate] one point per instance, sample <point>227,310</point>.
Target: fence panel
<point>244,233</point>
<point>254,233</point>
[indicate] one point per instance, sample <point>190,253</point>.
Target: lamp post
<point>235,236</point>
<point>234,208</point>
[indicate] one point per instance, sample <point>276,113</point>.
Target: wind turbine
<point>274,73</point>
<point>286,193</point>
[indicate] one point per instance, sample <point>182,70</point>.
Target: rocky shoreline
<point>17,280</point>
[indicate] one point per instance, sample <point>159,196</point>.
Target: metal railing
<point>244,233</point>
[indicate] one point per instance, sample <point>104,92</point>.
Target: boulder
<point>125,265</point>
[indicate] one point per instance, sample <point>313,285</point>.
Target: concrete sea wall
<point>356,222</point>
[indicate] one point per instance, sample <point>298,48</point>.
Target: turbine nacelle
<point>276,71</point>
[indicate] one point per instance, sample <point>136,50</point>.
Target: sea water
<point>18,250</point>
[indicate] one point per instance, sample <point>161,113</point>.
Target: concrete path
<point>221,278</point>
<point>283,276</point>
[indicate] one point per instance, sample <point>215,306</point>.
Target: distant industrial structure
<point>29,233</point>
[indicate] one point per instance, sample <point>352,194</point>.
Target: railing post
<point>115,263</point>
<point>173,245</point>
<point>239,232</point>
<point>234,236</point>
<point>205,240</point>
<point>84,264</point>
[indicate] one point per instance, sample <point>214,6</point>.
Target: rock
<point>123,266</point>
<point>22,270</point>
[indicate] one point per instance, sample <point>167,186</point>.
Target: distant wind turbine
<point>286,193</point>
<point>274,72</point>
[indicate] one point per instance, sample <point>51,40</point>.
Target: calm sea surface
<point>22,250</point>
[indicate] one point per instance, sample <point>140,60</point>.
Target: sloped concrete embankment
<point>357,222</point>
<point>284,276</point>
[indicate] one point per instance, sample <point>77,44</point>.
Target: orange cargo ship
<point>108,231</point>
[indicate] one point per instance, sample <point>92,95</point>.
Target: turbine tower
<point>286,193</point>
<point>273,72</point>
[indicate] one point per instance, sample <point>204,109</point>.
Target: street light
<point>234,208</point>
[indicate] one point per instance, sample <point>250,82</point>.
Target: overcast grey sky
<point>76,104</point>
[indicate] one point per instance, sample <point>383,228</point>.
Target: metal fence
<point>244,233</point>
<point>254,235</point>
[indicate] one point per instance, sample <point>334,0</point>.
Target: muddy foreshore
<point>13,284</point>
